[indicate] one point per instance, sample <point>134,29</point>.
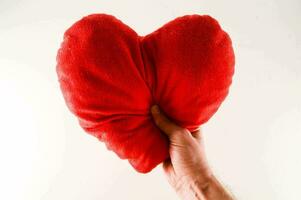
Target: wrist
<point>194,187</point>
<point>200,189</point>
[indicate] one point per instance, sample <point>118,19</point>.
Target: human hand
<point>187,169</point>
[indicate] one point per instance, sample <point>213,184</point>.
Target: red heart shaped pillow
<point>110,77</point>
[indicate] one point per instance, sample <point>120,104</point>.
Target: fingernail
<point>155,109</point>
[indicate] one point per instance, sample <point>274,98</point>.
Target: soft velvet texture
<point>110,77</point>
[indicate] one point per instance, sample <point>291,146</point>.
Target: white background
<point>253,142</point>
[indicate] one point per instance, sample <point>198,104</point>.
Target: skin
<point>187,170</point>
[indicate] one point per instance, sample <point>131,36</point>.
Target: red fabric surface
<point>110,77</point>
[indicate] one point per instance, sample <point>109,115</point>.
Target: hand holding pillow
<point>110,77</point>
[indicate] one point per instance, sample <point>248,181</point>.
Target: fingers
<point>164,123</point>
<point>169,172</point>
<point>167,167</point>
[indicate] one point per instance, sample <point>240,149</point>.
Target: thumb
<point>168,127</point>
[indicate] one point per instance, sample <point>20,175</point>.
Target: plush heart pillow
<point>110,77</point>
